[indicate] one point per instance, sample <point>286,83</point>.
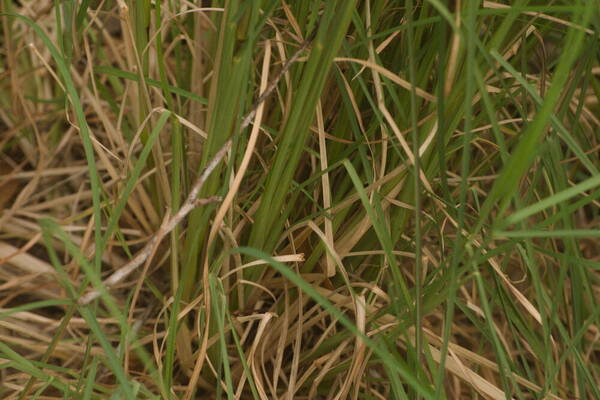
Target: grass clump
<point>311,200</point>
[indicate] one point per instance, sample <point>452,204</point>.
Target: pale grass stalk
<point>326,187</point>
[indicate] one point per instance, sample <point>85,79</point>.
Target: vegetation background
<point>404,201</point>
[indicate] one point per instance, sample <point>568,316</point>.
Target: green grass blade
<point>118,73</point>
<point>333,25</point>
<point>523,155</point>
<point>551,201</point>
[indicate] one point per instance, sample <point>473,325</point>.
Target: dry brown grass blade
<point>453,365</point>
<point>493,5</point>
<point>24,261</point>
<point>390,75</point>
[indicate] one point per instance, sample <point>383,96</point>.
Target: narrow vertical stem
<point>417,184</point>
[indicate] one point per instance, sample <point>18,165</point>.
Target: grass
<point>407,208</point>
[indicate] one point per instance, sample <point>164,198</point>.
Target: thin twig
<point>275,81</point>
<point>190,203</point>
